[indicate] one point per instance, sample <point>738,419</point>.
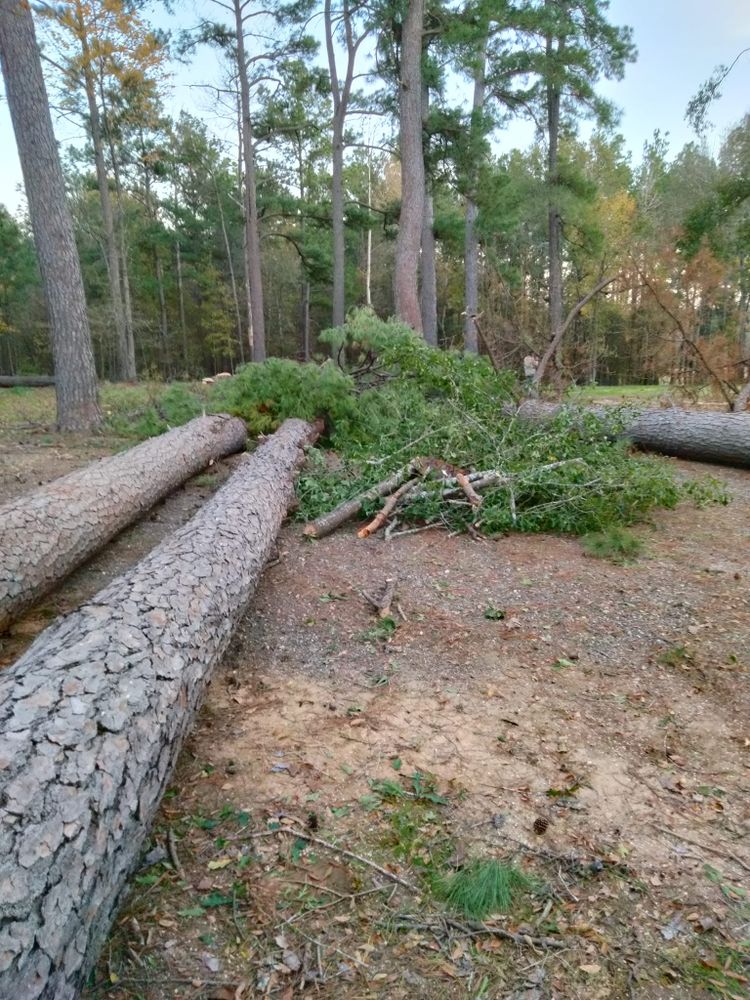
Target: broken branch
<point>382,515</point>
<point>345,511</point>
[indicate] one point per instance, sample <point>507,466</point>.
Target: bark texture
<point>44,535</point>
<point>705,437</point>
<point>94,714</point>
<point>76,387</point>
<point>471,241</point>
<point>406,269</point>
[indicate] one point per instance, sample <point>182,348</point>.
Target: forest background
<point>203,247</point>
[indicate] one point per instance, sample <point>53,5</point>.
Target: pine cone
<point>541,824</point>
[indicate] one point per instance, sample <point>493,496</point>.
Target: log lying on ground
<point>44,535</point>
<point>11,381</point>
<point>723,438</point>
<point>93,715</point>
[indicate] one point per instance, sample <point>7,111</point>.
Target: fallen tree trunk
<point>44,535</point>
<point>11,381</point>
<point>92,718</point>
<point>723,438</point>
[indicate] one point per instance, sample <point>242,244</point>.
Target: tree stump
<point>44,535</point>
<point>93,716</point>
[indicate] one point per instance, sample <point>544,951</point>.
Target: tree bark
<point>406,269</point>
<point>427,261</point>
<point>252,230</point>
<point>94,714</point>
<point>471,243</point>
<point>9,381</point>
<point>742,399</point>
<point>723,438</point>
<point>428,269</point>
<point>75,375</point>
<point>553,206</point>
<point>44,535</point>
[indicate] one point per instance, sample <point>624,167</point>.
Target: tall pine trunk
<point>252,230</point>
<point>406,276</point>
<point>428,270</point>
<point>553,206</point>
<point>341,91</point>
<point>75,374</point>
<point>471,243</point>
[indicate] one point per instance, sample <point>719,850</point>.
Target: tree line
<point>353,174</point>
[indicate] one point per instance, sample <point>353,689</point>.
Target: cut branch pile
<point>423,478</point>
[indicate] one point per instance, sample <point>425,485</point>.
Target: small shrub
<point>483,887</point>
<point>615,543</point>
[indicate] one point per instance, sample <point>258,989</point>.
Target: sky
<point>679,42</point>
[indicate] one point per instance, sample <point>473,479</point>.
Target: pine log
<point>44,535</point>
<point>723,438</point>
<point>92,718</point>
<point>11,381</point>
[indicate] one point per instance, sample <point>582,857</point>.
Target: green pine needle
<point>483,887</point>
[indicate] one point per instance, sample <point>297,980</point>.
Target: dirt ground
<point>519,686</point>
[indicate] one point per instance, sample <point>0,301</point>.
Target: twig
<point>173,855</point>
<point>476,929</point>
<point>729,855</point>
<point>235,915</point>
<point>292,832</point>
<point>334,902</point>
<point>416,531</point>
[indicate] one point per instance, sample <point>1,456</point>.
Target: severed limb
<point>345,511</point>
<point>388,507</point>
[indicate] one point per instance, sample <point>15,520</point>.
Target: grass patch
<point>484,886</point>
<point>616,544</point>
<point>676,656</point>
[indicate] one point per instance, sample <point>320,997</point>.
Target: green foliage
<point>615,543</point>
<point>150,408</point>
<point>413,399</point>
<point>266,394</point>
<point>483,887</point>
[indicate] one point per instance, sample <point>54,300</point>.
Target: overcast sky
<point>679,44</point>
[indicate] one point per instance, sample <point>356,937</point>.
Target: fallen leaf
<point>590,970</point>
<point>292,961</point>
<point>219,863</point>
<point>211,962</point>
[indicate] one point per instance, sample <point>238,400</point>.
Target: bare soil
<point>523,683</point>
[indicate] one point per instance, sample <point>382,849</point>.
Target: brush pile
<point>418,437</point>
